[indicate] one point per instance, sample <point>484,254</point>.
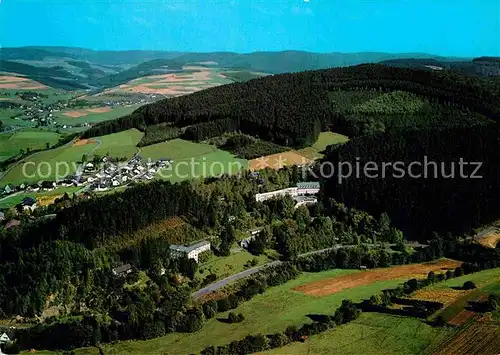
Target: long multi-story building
<point>191,251</point>
<point>302,188</point>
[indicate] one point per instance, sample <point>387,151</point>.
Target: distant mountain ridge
<point>482,66</point>
<point>86,68</point>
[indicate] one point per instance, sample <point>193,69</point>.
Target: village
<point>96,176</point>
<point>41,113</point>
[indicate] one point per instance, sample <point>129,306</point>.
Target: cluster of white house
<point>301,189</point>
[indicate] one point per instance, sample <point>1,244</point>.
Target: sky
<point>465,28</point>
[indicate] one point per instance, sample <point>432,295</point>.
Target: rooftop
<point>308,185</point>
<point>122,268</point>
<point>189,248</point>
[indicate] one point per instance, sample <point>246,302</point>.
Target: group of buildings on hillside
<point>302,193</point>
<point>118,174</point>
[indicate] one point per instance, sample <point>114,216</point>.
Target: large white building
<point>191,251</point>
<point>292,191</point>
<point>302,188</point>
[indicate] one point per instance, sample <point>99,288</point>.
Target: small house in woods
<point>190,251</point>
<point>8,189</point>
<point>122,270</point>
<point>29,203</point>
<point>252,233</point>
<point>4,339</point>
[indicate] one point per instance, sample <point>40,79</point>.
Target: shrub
<point>468,285</point>
<point>208,311</point>
<point>235,318</point>
<point>11,348</point>
<point>223,305</point>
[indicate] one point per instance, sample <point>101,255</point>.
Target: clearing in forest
<point>278,161</point>
<point>489,237</point>
<point>327,287</point>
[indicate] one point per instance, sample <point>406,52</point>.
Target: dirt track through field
<point>337,284</point>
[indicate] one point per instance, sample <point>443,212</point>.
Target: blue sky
<point>446,27</point>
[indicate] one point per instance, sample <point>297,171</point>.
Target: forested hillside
<point>444,201</point>
<point>398,114</point>
<point>291,109</point>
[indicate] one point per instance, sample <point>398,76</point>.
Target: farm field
<point>278,160</point>
<point>335,285</point>
<point>370,334</point>
<point>12,143</point>
<point>92,115</point>
<point>19,83</point>
<point>325,139</point>
<point>192,160</point>
<point>456,300</point>
<point>477,338</point>
<point>194,78</point>
<point>272,311</point>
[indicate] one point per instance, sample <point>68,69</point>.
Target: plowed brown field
<point>462,318</point>
<point>329,286</point>
<point>476,339</point>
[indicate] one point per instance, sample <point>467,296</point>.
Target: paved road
<point>215,286</point>
<point>221,283</point>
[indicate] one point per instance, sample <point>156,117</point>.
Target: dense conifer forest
<point>291,109</point>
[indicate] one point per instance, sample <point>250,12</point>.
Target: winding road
<point>245,273</point>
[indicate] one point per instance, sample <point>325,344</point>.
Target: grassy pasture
<point>26,139</point>
<point>325,139</point>
<point>121,144</point>
<point>42,165</point>
<point>230,265</point>
<point>192,160</point>
<point>370,334</point>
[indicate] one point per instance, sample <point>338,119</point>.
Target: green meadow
<point>11,144</point>
<point>121,144</point>
<point>192,160</point>
<point>325,139</point>
<point>272,311</point>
